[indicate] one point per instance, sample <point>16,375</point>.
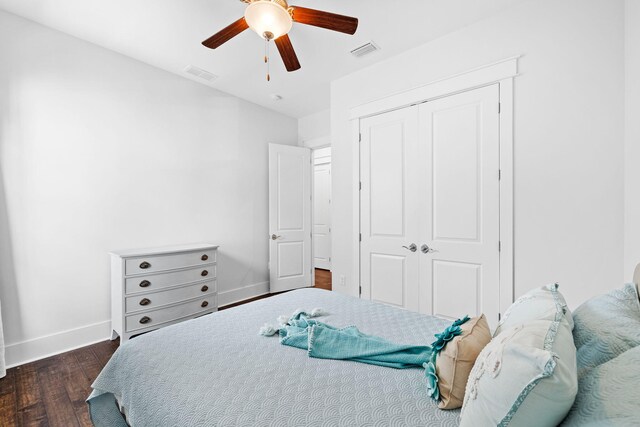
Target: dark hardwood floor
<point>323,279</point>
<point>52,391</point>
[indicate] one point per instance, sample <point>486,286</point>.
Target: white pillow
<point>544,303</point>
<point>526,376</point>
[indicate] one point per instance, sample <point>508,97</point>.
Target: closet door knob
<point>426,249</point>
<point>204,257</point>
<point>205,288</point>
<point>144,265</point>
<point>204,273</point>
<point>145,284</point>
<point>145,319</point>
<point>204,304</point>
<point>412,247</point>
<point>145,301</point>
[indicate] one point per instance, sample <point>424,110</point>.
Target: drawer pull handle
<point>204,257</point>
<point>145,284</point>
<point>204,304</point>
<point>205,288</point>
<point>145,319</point>
<point>145,301</point>
<point>144,265</point>
<point>204,273</point>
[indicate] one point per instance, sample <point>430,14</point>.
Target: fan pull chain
<point>266,58</point>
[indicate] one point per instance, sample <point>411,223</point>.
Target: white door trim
<point>503,73</point>
<point>478,77</point>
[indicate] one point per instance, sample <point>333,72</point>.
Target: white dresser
<point>152,288</point>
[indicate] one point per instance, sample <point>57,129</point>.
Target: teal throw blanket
<point>327,342</point>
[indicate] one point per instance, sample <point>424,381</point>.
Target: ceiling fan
<point>273,19</point>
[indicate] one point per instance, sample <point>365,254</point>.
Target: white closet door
<point>289,217</point>
<point>322,216</point>
<point>459,204</point>
<point>389,208</point>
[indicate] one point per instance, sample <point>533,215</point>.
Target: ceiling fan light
<point>268,19</point>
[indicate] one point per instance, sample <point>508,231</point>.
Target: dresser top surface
<point>163,250</point>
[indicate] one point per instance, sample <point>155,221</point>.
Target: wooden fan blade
<point>330,21</point>
<point>287,53</point>
<point>226,34</point>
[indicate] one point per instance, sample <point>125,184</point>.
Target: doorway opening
<point>322,217</point>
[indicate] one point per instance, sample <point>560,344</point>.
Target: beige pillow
<point>456,359</point>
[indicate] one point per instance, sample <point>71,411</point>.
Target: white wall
<point>568,136</point>
<point>632,138</point>
<point>101,152</point>
<point>314,130</point>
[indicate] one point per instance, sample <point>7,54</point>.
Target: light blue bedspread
<point>216,371</point>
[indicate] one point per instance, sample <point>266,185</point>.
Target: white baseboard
<point>241,294</point>
<point>38,348</point>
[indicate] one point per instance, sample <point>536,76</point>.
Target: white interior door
<point>389,204</point>
<point>322,209</point>
<point>459,204</point>
<point>289,217</point>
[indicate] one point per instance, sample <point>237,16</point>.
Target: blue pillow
<point>608,395</point>
<point>606,326</point>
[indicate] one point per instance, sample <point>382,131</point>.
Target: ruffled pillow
<point>456,359</point>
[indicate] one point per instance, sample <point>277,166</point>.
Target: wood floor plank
<point>8,412</point>
<point>27,388</point>
<point>82,413</point>
<point>31,410</point>
<point>104,350</point>
<point>8,400</point>
<point>323,279</point>
<point>57,404</point>
<point>75,381</point>
<point>89,363</point>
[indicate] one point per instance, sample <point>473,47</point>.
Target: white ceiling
<point>167,34</point>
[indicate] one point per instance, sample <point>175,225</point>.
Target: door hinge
<point>499,107</point>
<point>360,186</point>
<point>360,291</point>
<point>360,237</point>
<point>359,137</point>
<point>499,317</point>
<point>499,246</point>
<point>499,174</point>
<point>329,229</point>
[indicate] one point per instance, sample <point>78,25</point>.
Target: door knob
<point>412,247</point>
<point>426,249</point>
<point>274,237</point>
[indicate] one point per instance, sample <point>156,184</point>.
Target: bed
<point>217,370</point>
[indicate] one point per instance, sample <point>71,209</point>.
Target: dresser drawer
<point>155,317</point>
<point>153,282</point>
<point>158,299</point>
<point>154,263</point>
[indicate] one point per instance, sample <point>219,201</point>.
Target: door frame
<point>502,73</point>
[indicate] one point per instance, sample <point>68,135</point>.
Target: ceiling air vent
<point>199,72</point>
<point>365,49</point>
